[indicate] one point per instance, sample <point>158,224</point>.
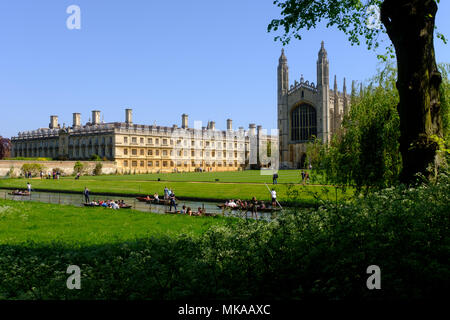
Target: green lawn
<point>248,176</point>
<point>201,190</point>
<point>21,222</point>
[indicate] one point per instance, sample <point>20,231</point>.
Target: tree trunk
<point>410,26</point>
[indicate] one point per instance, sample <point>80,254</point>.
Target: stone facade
<point>148,148</point>
<point>307,110</point>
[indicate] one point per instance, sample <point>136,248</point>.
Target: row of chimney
<point>95,119</point>
<point>129,120</point>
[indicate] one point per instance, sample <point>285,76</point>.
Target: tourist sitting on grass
<point>263,205</point>
<point>199,212</point>
<point>189,211</point>
<point>148,198</point>
<point>156,197</point>
<point>183,210</point>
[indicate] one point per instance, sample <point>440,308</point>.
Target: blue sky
<point>210,59</point>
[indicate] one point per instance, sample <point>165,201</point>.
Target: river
<point>77,200</point>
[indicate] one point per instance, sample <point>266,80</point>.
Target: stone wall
<point>65,166</point>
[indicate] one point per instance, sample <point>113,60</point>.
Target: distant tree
<point>5,148</point>
<point>410,25</point>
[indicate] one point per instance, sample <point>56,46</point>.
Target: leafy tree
<point>410,25</point>
<point>5,147</point>
<point>365,151</point>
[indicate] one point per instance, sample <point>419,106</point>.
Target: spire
<point>353,88</point>
<point>345,88</point>
<point>361,90</point>
<point>322,51</point>
<point>283,59</point>
<point>335,85</point>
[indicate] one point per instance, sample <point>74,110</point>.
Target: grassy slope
<point>45,223</point>
<point>146,184</point>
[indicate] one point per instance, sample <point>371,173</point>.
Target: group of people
<point>305,176</point>
<point>109,204</point>
<point>188,210</point>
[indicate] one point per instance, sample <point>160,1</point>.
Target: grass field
<point>22,222</point>
<point>232,185</point>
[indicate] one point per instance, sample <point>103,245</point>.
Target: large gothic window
<point>304,123</point>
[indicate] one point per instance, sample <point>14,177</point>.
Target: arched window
<point>304,123</point>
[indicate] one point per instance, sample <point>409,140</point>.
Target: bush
<point>79,168</point>
<point>34,168</point>
<point>95,157</point>
<point>98,169</point>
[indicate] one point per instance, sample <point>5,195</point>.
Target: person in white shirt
<point>29,187</point>
<point>274,198</point>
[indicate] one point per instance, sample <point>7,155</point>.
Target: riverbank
<point>287,194</point>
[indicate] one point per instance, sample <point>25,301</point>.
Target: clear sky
<point>210,59</point>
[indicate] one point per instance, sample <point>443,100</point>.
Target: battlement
<point>302,85</point>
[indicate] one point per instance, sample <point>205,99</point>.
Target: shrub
<point>95,157</point>
<point>98,169</point>
<point>79,168</point>
<point>34,168</point>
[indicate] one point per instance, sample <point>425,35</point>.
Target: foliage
<point>98,169</point>
<point>444,68</point>
<point>306,254</point>
<point>365,151</point>
<point>34,168</point>
<point>349,16</point>
<point>95,157</point>
<point>5,147</point>
<point>79,167</point>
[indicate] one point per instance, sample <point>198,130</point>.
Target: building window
<point>157,163</point>
<point>157,141</point>
<point>134,163</point>
<point>164,141</point>
<point>304,123</point>
<point>142,140</point>
<point>134,140</point>
<point>150,140</point>
<point>134,152</point>
<point>125,139</point>
<point>150,152</point>
<point>125,163</point>
<point>164,163</point>
<point>142,152</point>
<point>150,163</point>
<point>141,163</point>
<point>164,152</point>
<point>157,152</point>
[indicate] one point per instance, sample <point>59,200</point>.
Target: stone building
<point>307,110</point>
<point>149,148</point>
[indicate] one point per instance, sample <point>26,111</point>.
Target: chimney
<point>184,121</point>
<point>213,125</point>
<point>252,129</point>
<point>76,120</point>
<point>53,122</point>
<point>229,124</point>
<point>129,116</point>
<point>259,129</point>
<point>95,117</point>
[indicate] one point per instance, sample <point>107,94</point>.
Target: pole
<point>271,195</point>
